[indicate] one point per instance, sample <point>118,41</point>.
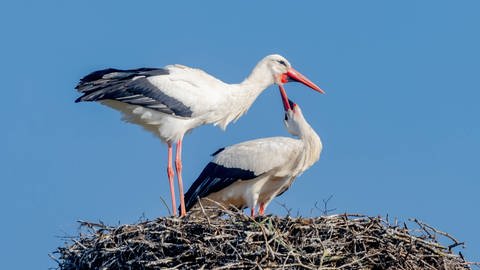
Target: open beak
<point>293,75</point>
<point>286,104</point>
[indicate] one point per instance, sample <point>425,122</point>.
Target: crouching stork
<point>252,173</point>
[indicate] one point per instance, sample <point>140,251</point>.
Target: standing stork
<point>254,172</point>
<point>173,100</point>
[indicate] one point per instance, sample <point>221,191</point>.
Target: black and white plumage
<point>132,87</point>
<point>252,173</point>
<point>171,101</point>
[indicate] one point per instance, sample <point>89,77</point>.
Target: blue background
<point>399,122</point>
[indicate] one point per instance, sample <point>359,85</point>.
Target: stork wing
<point>213,178</point>
<point>168,90</point>
<point>261,155</point>
<point>243,161</point>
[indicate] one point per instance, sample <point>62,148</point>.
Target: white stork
<point>254,172</point>
<point>173,100</point>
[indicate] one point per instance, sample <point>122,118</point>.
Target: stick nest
<point>237,241</point>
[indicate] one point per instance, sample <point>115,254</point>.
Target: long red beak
<point>298,77</point>
<point>286,104</point>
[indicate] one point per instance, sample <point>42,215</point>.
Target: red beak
<point>294,75</point>
<point>286,104</point>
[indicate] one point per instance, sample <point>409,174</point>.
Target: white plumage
<point>171,101</point>
<point>272,152</point>
<point>252,173</point>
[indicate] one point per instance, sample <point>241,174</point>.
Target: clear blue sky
<point>399,122</point>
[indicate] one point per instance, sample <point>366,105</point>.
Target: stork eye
<point>282,62</point>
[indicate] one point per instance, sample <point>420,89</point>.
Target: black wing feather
<point>120,85</point>
<point>217,152</point>
<point>213,178</point>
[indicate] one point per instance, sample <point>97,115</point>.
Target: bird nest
<point>234,240</point>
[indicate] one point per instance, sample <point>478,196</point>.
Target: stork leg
<point>170,179</point>
<point>252,212</point>
<point>178,166</point>
<point>261,211</point>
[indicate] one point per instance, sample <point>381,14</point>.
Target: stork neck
<point>259,79</point>
<point>312,144</point>
<point>244,94</point>
<point>241,96</point>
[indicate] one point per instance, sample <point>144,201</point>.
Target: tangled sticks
<point>240,242</point>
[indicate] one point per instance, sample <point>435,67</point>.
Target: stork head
<point>283,72</point>
<point>294,120</point>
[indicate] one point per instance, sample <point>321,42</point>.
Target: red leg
<point>178,166</point>
<point>170,179</point>
<point>252,212</point>
<point>261,211</point>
